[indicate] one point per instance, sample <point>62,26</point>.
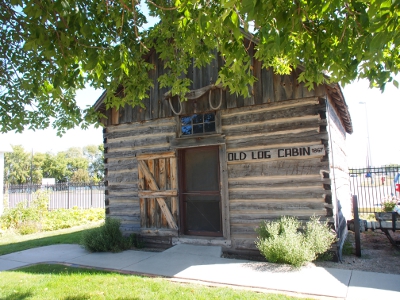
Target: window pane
<point>197,119</point>
<point>198,128</point>
<point>186,120</point>
<point>209,127</point>
<point>209,117</point>
<point>186,130</point>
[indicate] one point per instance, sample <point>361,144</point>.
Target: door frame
<point>182,197</point>
<point>212,140</point>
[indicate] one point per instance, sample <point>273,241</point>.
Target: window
<point>198,124</point>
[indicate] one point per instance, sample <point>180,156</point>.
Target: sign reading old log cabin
<point>278,153</point>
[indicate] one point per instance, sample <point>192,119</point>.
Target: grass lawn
<point>62,282</point>
<point>14,242</point>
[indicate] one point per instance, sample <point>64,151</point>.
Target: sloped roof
<point>335,93</point>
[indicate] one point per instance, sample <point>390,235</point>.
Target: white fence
<point>61,195</point>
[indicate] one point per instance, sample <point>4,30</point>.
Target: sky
<point>382,111</point>
<point>47,140</point>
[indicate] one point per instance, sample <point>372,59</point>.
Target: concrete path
<point>204,264</point>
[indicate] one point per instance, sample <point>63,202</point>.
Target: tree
<point>17,166</point>
<point>95,156</point>
<point>56,166</point>
<point>81,176</point>
<point>52,48</point>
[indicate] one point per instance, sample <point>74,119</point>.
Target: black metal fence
<point>373,186</point>
<point>61,195</point>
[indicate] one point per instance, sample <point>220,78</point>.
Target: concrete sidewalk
<point>204,264</point>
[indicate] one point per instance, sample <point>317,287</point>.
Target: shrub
<point>284,241</point>
<point>27,219</point>
<point>388,203</point>
<point>107,237</point>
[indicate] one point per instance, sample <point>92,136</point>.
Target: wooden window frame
<point>217,126</point>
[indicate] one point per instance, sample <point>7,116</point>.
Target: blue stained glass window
<point>198,124</point>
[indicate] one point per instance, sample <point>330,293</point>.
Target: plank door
<point>200,195</point>
<point>158,190</point>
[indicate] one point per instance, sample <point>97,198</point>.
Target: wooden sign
<point>278,153</point>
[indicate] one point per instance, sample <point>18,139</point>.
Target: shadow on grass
<point>62,238</point>
<point>61,269</point>
<point>18,296</point>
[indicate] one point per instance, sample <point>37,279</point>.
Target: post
<point>3,148</point>
<point>1,182</point>
<point>357,235</point>
<point>67,195</point>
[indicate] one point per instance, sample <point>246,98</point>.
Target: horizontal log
<point>277,194</point>
<point>124,218</point>
<point>259,116</point>
<point>132,153</point>
<point>244,228</point>
<point>125,208</point>
<point>244,244</point>
<point>121,164</point>
<point>122,187</point>
<point>122,178</point>
<point>277,181</point>
<point>247,235</point>
<point>136,131</point>
<point>269,135</point>
<point>124,192</point>
<point>158,232</point>
<point>312,166</point>
<point>276,140</point>
<point>263,205</point>
<point>205,140</point>
<point>122,172</point>
<point>128,126</point>
<point>156,194</point>
<point>157,240</point>
<point>131,197</point>
<point>258,218</point>
<point>138,142</point>
<point>156,155</point>
<point>271,106</point>
<point>271,126</point>
<point>119,160</point>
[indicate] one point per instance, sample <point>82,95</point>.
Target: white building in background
<point>4,147</point>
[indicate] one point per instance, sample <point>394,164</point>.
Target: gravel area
<point>377,254</point>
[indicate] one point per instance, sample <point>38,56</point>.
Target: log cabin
<point>208,170</point>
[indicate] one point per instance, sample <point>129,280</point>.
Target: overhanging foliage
<point>52,48</point>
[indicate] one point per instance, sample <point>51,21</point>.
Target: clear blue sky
<point>383,119</point>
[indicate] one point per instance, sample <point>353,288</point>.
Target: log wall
<point>268,88</point>
<point>122,144</point>
<point>340,185</point>
<point>267,189</point>
<point>280,113</point>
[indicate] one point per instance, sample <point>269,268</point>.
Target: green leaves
<point>53,48</point>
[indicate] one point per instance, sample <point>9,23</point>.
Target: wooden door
<point>158,190</point>
<point>200,195</point>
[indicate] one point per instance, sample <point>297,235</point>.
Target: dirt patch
<point>377,254</point>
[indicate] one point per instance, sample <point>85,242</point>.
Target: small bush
<point>388,203</point>
<point>347,247</point>
<point>28,227</point>
<point>283,241</point>
<point>33,217</point>
<point>107,238</point>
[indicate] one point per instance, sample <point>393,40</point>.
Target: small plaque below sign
<point>279,153</point>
